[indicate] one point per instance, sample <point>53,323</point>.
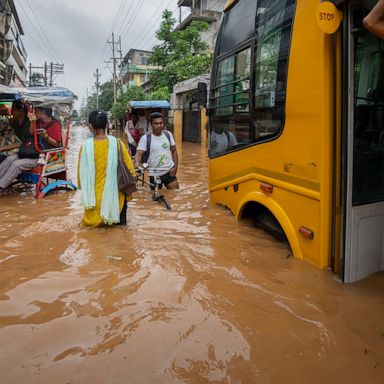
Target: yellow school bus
<point>296,120</point>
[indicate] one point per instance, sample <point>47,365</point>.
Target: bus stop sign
<point>328,17</point>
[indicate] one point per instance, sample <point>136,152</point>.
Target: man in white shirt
<point>162,158</point>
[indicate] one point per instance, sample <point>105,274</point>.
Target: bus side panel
<point>297,156</point>
<point>283,205</point>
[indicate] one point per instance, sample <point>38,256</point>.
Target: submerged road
<point>181,296</point>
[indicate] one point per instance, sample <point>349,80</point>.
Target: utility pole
<point>45,74</point>
<point>113,45</point>
<point>38,75</point>
<point>97,84</point>
<point>51,76</point>
<point>55,69</point>
<point>121,62</point>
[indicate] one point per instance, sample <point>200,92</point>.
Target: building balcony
<point>185,3</point>
<point>200,15</point>
<point>136,68</point>
<point>20,59</point>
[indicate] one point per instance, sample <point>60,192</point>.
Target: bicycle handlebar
<point>141,169</point>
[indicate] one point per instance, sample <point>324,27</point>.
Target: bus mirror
<point>202,94</point>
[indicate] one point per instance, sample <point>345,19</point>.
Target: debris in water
<point>116,258</point>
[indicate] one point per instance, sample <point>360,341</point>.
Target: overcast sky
<point>75,32</point>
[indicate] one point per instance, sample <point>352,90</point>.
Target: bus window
<point>274,23</point>
<point>224,92</point>
<point>368,150</point>
<point>243,66</point>
<point>238,26</point>
<point>231,127</point>
<point>232,91</point>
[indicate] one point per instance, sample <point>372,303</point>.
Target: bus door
<point>363,147</point>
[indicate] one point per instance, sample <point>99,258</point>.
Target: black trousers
<point>123,213</point>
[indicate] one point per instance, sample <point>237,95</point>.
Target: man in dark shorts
<point>162,158</point>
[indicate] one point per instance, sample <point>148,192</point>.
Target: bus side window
<point>231,103</point>
<point>272,66</point>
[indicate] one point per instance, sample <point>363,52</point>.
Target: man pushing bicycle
<point>158,149</point>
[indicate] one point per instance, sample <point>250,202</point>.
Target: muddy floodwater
<point>181,296</point>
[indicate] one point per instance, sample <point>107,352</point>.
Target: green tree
<point>161,94</point>
<point>119,108</point>
<point>181,53</point>
<point>106,96</point>
<point>105,100</point>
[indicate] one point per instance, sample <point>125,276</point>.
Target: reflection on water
<point>181,296</point>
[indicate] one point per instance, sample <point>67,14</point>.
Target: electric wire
<point>125,28</point>
<point>103,50</point>
<point>41,47</point>
<point>150,42</point>
<point>139,40</point>
<point>42,30</point>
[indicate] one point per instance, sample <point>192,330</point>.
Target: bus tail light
<point>306,233</point>
<point>267,188</point>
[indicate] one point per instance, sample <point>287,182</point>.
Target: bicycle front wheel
<point>163,201</point>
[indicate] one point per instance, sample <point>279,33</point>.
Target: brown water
<point>186,296</point>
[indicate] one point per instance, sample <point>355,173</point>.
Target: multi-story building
<point>203,10</point>
<point>13,57</point>
<point>135,68</point>
<point>187,111</point>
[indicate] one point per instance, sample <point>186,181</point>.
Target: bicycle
<point>156,196</point>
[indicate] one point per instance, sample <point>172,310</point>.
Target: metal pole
<point>114,69</point>
<point>45,74</point>
<point>51,78</point>
<point>97,75</point>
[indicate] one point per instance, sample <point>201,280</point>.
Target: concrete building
<point>203,10</point>
<point>189,114</point>
<point>13,56</point>
<point>187,103</point>
<point>135,69</point>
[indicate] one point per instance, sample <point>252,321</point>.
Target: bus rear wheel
<point>264,219</point>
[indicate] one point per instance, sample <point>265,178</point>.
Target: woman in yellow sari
<point>97,175</point>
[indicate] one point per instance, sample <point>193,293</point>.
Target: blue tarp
<point>47,91</point>
<point>8,94</point>
<point>161,104</point>
<point>58,98</point>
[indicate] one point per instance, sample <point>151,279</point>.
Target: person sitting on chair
<point>13,165</point>
<point>48,128</point>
